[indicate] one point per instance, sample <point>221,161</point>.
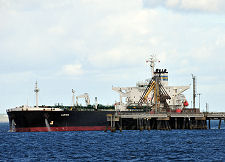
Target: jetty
<point>162,121</point>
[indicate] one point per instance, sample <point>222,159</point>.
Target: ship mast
<point>36,90</point>
<point>152,61</point>
<point>73,97</point>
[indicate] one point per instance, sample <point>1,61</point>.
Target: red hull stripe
<point>45,129</point>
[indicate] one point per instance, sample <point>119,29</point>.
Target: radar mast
<point>152,61</point>
<point>73,92</point>
<point>36,90</point>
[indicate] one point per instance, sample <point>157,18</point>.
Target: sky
<point>92,45</point>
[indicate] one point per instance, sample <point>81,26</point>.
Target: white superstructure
<point>132,95</point>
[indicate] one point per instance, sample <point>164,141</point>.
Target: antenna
<point>36,90</point>
<point>152,61</point>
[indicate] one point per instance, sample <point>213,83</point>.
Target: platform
<point>162,121</point>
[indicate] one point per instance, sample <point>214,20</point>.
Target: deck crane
<point>86,98</point>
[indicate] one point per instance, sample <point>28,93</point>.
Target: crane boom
<point>86,98</point>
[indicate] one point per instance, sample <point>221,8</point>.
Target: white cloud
<point>202,5</point>
<point>57,30</point>
<point>217,6</point>
<point>109,38</point>
<point>119,57</point>
<point>220,42</point>
<point>172,3</point>
<point>72,70</point>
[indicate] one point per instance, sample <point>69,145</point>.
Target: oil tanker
<point>150,96</point>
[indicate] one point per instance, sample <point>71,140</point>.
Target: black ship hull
<point>41,121</point>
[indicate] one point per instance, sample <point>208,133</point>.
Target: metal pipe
<point>194,90</point>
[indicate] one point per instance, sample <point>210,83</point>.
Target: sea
<point>132,145</point>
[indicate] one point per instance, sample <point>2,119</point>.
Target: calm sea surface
<point>174,145</point>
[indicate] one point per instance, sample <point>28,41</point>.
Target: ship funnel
<point>163,75</point>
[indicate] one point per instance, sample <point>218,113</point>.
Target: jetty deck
<point>162,121</point>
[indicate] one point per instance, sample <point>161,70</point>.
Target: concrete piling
<point>219,123</point>
<point>209,124</point>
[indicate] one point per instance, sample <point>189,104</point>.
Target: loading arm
<point>122,91</point>
<point>150,89</point>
